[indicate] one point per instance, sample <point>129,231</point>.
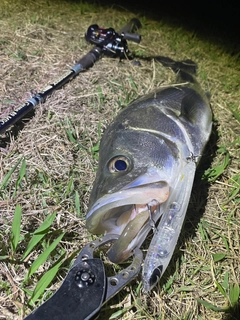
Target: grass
<point>47,169</point>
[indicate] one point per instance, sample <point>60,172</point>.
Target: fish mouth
<point>131,213</point>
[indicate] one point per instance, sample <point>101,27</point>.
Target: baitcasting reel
<point>113,44</point>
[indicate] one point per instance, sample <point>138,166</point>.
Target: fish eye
<point>118,164</point>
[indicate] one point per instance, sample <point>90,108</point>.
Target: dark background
<point>219,20</point>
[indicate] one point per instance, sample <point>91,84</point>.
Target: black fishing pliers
<point>86,287</point>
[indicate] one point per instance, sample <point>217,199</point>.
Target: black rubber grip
<point>132,37</point>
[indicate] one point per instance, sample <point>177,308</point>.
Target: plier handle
<point>86,287</point>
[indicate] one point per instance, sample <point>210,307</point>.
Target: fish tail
<point>187,66</point>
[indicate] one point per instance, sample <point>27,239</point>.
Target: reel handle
<point>133,25</point>
<point>132,37</point>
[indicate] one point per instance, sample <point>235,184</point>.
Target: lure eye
<point>118,164</point>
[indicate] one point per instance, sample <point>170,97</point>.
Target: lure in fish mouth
<point>147,161</point>
<point>131,213</point>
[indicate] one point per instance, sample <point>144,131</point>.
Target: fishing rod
<point>107,42</point>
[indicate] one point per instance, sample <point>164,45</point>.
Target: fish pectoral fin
<point>190,109</point>
<point>196,111</point>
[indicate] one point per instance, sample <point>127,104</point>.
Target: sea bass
<point>147,162</point>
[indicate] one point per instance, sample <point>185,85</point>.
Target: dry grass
<point>41,40</point>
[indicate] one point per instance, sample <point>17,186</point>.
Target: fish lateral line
<point>168,137</point>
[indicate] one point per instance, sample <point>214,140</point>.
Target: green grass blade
<point>119,313</point>
<point>70,187</point>
<point>101,95</point>
<point>212,174</point>
<point>77,204</point>
<point>234,294</point>
<point>27,291</point>
<point>45,280</point>
<point>21,175</point>
<point>16,228</point>
<point>95,150</point>
<point>221,289</point>
<point>70,136</point>
<point>226,281</point>
<point>43,257</point>
<point>99,129</point>
<point>8,175</point>
<point>210,306</point>
<point>133,84</point>
<point>235,112</point>
<point>3,257</point>
<point>218,256</point>
<point>235,192</point>
<point>46,224</point>
<point>39,234</point>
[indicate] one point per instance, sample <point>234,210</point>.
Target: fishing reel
<point>113,44</point>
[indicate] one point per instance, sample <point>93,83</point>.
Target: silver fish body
<point>147,163</point>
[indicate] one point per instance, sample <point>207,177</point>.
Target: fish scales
<point>147,161</point>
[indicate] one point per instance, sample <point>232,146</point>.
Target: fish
<point>148,158</point>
